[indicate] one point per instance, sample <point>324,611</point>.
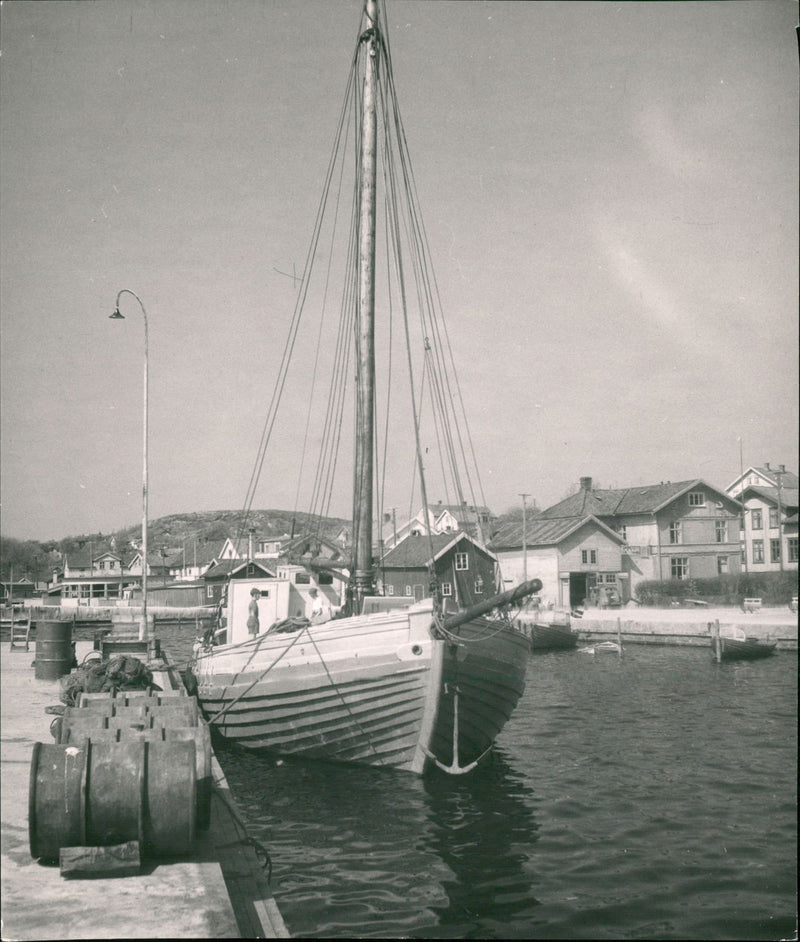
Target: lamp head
<point>116,316</point>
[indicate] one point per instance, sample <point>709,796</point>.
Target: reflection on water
<point>651,796</point>
<point>483,829</point>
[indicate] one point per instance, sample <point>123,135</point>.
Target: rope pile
<point>117,673</point>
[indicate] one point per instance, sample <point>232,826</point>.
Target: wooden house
<point>465,569</point>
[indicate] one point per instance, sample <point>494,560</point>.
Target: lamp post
<point>144,634</point>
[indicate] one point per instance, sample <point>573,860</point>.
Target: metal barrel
<point>201,736</point>
<point>105,793</point>
<point>53,649</point>
<point>78,725</point>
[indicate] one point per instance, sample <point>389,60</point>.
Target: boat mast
<point>363,578</point>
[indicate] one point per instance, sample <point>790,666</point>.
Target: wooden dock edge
<point>257,914</point>
<point>226,843</point>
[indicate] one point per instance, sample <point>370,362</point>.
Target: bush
<point>774,588</point>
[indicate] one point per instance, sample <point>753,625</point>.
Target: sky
<point>611,202</point>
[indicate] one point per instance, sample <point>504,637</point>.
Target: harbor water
<point>651,796</point>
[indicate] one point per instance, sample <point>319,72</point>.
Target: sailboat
<point>402,683</point>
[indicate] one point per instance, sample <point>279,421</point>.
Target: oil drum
<point>53,649</point>
<point>98,794</point>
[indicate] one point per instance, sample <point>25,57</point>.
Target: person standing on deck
<point>252,612</point>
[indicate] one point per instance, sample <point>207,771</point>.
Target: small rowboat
<point>734,645</point>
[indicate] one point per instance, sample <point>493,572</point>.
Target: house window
<point>757,521</point>
<point>589,556</point>
<point>251,570</point>
<point>209,591</point>
<point>721,530</point>
<point>112,565</point>
<point>679,567</point>
<point>722,565</point>
<point>773,518</point>
<point>447,589</point>
<point>623,532</point>
<point>675,531</point>
<point>792,549</point>
<point>611,578</point>
<point>775,551</point>
<point>697,499</point>
<point>758,551</point>
<point>479,586</point>
<point>390,590</point>
<point>462,562</point>
<point>408,590</point>
<point>101,565</point>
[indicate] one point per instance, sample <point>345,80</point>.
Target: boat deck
<point>218,892</point>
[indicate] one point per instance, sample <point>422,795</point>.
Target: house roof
<point>414,552</point>
<point>788,478</point>
<point>629,500</point>
<point>227,567</point>
<point>788,495</point>
<point>298,543</point>
<point>546,532</point>
<point>83,558</point>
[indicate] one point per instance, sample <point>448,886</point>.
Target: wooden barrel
<point>53,649</point>
<point>104,793</point>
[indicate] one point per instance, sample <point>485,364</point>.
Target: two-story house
<point>89,579</point>
<point>465,569</point>
<point>683,530</point>
<point>578,559</point>
<point>768,528</point>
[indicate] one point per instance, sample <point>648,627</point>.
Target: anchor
<point>454,768</point>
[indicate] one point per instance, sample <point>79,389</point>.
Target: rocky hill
<point>174,533</point>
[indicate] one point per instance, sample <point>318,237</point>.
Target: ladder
<point>20,632</point>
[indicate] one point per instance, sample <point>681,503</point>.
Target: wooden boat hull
<point>376,690</point>
<point>749,649</point>
<point>552,637</point>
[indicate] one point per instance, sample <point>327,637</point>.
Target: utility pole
<point>779,475</point>
<point>524,537</point>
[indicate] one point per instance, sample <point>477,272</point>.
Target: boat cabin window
<point>302,578</point>
<point>325,578</point>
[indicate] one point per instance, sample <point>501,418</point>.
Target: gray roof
<point>788,495</point>
<point>414,552</point>
<point>629,500</point>
<point>545,532</point>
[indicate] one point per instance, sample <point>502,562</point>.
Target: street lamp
<point>144,634</point>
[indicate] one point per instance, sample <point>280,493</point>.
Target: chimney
<point>766,465</point>
<point>782,468</point>
<point>586,484</point>
<point>250,544</point>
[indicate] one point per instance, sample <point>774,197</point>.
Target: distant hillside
<point>176,531</point>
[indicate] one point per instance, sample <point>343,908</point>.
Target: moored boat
<point>549,630</point>
<point>401,683</point>
<point>732,644</point>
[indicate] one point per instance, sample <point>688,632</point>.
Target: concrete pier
<point>685,626</point>
<point>217,892</point>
